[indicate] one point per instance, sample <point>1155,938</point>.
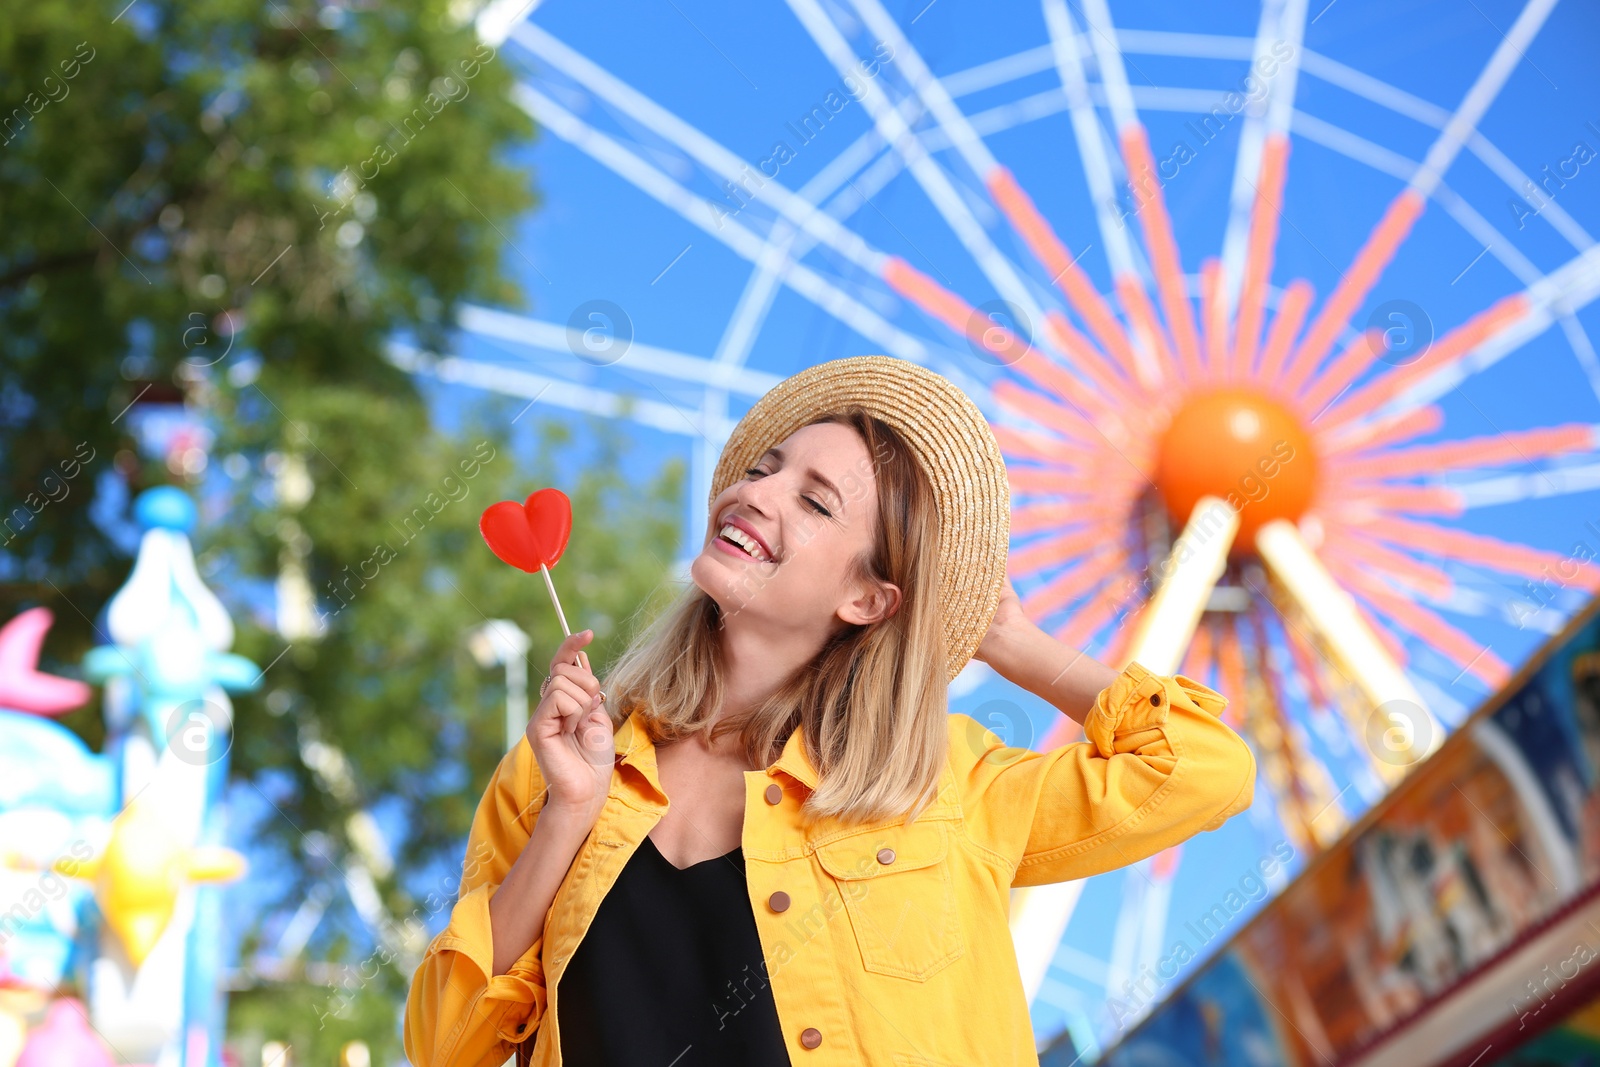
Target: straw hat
<point>952,441</point>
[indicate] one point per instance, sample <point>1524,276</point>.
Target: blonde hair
<point>871,706</point>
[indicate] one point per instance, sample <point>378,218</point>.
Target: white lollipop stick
<point>550,585</point>
<point>561,615</point>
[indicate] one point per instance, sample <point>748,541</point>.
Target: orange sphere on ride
<point>1244,447</point>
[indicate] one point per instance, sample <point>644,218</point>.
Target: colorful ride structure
<point>137,829</point>
<point>55,797</point>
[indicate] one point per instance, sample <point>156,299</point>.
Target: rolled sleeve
<point>1138,699</point>
<point>459,1013</point>
<point>511,1003</point>
<point>1158,765</point>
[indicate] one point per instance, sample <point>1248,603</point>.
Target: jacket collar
<point>633,747</point>
<point>793,762</point>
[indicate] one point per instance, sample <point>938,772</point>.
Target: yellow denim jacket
<point>894,948</point>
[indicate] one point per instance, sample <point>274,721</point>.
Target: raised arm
<point>1158,765</point>
<point>480,989</point>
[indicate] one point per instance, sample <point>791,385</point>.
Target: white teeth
<point>743,540</point>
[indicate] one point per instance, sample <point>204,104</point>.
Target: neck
<point>757,660</point>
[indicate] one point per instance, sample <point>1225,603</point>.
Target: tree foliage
<point>235,206</point>
<point>404,576</point>
<point>188,180</point>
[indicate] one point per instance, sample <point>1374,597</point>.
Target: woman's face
<point>807,508</point>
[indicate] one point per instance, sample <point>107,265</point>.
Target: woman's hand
<point>1009,620</point>
<point>1026,656</point>
<point>571,733</point>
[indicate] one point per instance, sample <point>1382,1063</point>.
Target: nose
<point>755,493</point>
<point>747,495</point>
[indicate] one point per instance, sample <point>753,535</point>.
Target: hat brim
<point>955,447</point>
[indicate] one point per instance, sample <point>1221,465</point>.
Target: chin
<point>714,577</point>
<point>722,579</point>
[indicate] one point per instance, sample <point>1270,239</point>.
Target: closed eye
<point>757,471</point>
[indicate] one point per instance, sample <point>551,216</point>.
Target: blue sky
<point>741,76</point>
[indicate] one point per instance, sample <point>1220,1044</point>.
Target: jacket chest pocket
<point>898,893</point>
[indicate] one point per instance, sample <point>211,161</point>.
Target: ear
<point>873,601</point>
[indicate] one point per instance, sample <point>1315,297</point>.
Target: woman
<point>830,879</point>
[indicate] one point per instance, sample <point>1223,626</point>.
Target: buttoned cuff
<point>1139,699</point>
<point>514,1002</point>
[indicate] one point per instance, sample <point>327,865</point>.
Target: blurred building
<point>1456,924</point>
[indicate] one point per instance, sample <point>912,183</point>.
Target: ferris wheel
<point>1216,468</point>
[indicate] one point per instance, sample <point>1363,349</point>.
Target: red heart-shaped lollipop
<point>528,534</point>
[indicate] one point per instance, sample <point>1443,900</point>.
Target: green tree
<point>236,205</point>
<point>392,683</point>
<point>283,180</point>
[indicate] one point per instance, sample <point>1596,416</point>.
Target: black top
<point>670,972</point>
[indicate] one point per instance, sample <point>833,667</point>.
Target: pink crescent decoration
<point>22,686</point>
<point>529,534</point>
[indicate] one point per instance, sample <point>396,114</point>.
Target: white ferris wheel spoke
<point>1465,120</point>
<point>1399,218</point>
<point>1429,114</point>
<point>553,392</point>
<point>755,301</point>
<point>774,256</point>
<point>756,298</point>
<point>639,358</point>
<point>1216,46</point>
<point>1501,248</point>
<point>1281,21</point>
<point>710,154</point>
<point>1029,61</point>
<point>496,20</point>
<point>1065,51</point>
<point>1386,161</point>
<point>892,126</point>
<point>928,88</point>
<point>1000,71</point>
<point>1559,293</point>
<point>1108,54</point>
<point>740,239</point>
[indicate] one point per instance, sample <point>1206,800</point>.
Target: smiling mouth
<point>743,542</point>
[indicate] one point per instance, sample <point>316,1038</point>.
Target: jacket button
<point>886,856</point>
<point>778,901</point>
<point>1155,698</point>
<point>774,793</point>
<point>811,1037</point>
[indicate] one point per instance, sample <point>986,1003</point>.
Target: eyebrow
<point>811,472</point>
